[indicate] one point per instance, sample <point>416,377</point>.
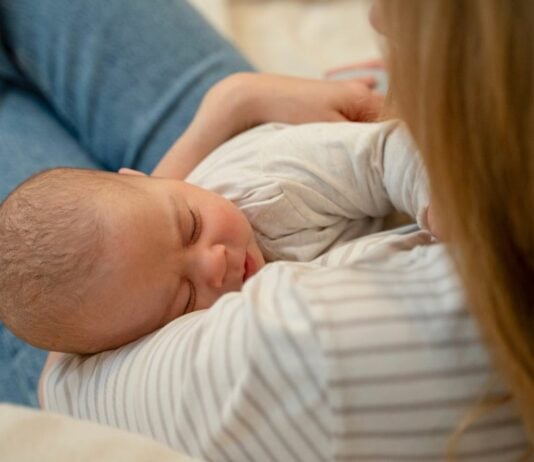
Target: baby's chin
<point>70,346</point>
<point>94,343</point>
<point>50,336</point>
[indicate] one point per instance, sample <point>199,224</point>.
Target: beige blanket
<point>29,436</point>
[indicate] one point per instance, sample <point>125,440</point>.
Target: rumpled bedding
<point>27,435</point>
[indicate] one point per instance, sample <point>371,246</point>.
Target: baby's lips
<point>245,267</point>
<point>250,267</point>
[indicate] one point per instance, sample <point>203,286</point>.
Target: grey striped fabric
<point>366,353</point>
<point>373,360</point>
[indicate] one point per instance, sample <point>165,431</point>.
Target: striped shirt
<point>366,353</point>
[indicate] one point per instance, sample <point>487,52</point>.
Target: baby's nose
<point>215,265</point>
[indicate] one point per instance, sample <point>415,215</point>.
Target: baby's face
<point>173,249</point>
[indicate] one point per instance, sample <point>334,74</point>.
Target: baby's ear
<point>129,171</point>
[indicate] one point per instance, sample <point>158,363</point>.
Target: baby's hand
<point>434,223</point>
<point>297,100</point>
<point>244,100</point>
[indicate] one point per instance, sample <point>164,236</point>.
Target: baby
<point>93,260</point>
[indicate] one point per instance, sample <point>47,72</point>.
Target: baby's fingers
<point>368,80</point>
<point>366,108</point>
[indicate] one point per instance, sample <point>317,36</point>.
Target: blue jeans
<point>98,84</point>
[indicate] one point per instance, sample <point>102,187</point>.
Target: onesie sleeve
<point>308,188</point>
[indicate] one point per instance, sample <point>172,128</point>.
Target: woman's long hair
<point>462,77</point>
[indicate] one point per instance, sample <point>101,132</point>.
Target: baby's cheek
<point>236,224</point>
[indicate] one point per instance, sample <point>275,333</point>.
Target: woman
<point>371,353</point>
<point>475,135</point>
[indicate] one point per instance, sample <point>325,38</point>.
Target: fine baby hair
<point>51,244</point>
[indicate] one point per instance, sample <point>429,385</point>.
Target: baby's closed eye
<point>196,226</point>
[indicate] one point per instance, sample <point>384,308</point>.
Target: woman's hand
<point>434,223</point>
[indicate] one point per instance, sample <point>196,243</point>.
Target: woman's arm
<point>245,100</point>
<point>191,384</point>
<point>368,353</point>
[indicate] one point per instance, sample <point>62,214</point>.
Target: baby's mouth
<point>250,267</point>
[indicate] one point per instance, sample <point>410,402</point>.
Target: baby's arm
<point>307,188</point>
<point>342,180</point>
<point>404,175</point>
<point>245,100</point>
<point>222,114</point>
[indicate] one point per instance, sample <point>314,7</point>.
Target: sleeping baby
<point>93,260</point>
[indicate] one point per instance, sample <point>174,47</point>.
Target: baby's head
<point>92,260</point>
